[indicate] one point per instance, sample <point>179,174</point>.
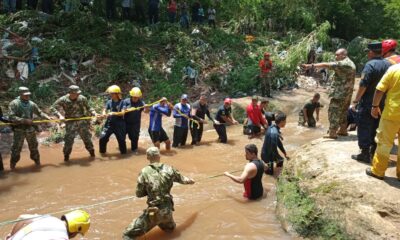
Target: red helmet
<point>267,54</point>
<point>388,45</point>
<point>227,101</point>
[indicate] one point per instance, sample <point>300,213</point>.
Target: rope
<point>4,223</point>
<point>187,117</point>
<point>132,109</point>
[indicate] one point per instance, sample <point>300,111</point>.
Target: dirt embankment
<point>363,207</point>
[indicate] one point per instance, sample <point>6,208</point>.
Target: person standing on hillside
<point>172,9</point>
<point>75,105</point>
<point>372,73</point>
<point>153,11</point>
<point>265,65</point>
<point>224,116</point>
<point>139,10</point>
<point>341,91</point>
<point>252,174</point>
<point>211,17</point>
<point>306,115</point>
<point>21,111</point>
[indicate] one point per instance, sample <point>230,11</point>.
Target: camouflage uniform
<point>155,181</point>
<point>342,90</point>
<point>75,109</point>
<point>20,110</point>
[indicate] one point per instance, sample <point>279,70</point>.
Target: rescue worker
<point>342,90</point>
<point>224,116</point>
<point>389,124</point>
<point>75,105</point>
<point>265,65</point>
<point>115,123</point>
<point>47,227</point>
<point>373,71</point>
<point>21,111</point>
<point>256,119</point>
<point>273,142</point>
<point>156,131</point>
<point>252,174</point>
<point>199,112</point>
<point>306,115</point>
<point>133,118</point>
<point>155,181</point>
<point>181,113</point>
<point>5,120</point>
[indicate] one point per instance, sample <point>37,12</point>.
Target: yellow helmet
<point>78,221</point>
<point>135,92</point>
<point>113,89</point>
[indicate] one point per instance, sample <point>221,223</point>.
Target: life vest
<point>43,228</point>
<point>394,59</point>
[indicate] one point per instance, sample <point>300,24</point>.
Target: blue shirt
<point>371,75</point>
<point>181,121</point>
<point>272,141</point>
<point>134,116</point>
<point>113,106</point>
<point>156,113</point>
<point>222,111</point>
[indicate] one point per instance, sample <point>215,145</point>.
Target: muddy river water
<point>213,208</point>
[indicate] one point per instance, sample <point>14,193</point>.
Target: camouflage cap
<point>254,97</point>
<point>74,89</point>
<point>152,152</point>
<point>24,91</point>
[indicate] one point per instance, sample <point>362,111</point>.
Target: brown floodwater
<point>212,208</point>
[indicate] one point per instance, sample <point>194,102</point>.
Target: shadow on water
<point>9,186</point>
<point>157,234</point>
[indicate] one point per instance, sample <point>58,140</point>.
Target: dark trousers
<point>119,130</point>
<point>180,136</point>
<point>171,17</point>
<point>126,15</point>
<point>133,131</point>
<point>110,9</point>
<point>196,130</point>
<point>221,130</point>
<point>32,4</point>
<point>366,130</point>
<point>18,5</point>
<point>153,15</point>
<point>47,6</point>
<point>1,163</point>
<point>139,13</point>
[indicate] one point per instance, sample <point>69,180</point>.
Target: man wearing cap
<point>156,131</point>
<point>224,116</point>
<point>265,65</point>
<point>306,115</point>
<point>199,112</point>
<point>372,73</point>
<point>341,91</point>
<point>133,117</point>
<point>181,113</point>
<point>74,105</point>
<point>256,120</point>
<point>21,111</point>
<point>155,181</point>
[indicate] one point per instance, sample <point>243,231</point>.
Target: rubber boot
<point>331,134</point>
<point>364,156</point>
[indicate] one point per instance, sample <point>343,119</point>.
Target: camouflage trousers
<point>18,143</point>
<point>337,112</point>
<point>71,130</point>
<point>150,218</point>
<point>311,120</point>
<point>265,84</point>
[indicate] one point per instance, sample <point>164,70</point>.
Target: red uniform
<point>265,66</point>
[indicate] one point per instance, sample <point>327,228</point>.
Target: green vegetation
<point>303,214</point>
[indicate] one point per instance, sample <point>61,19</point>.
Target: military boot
<point>37,161</point>
<point>364,156</point>
<point>92,154</point>
<point>331,134</point>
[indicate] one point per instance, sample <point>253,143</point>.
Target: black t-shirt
<point>310,108</point>
<point>113,106</point>
<point>201,111</point>
<point>134,116</point>
<point>222,111</point>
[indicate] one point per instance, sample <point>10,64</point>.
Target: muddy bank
<point>324,193</point>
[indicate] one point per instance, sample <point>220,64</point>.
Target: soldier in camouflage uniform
<point>75,105</point>
<point>5,120</point>
<point>21,112</point>
<point>341,92</point>
<point>155,181</point>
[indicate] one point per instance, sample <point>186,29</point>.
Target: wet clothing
<point>132,120</point>
<point>269,152</point>
<point>310,109</point>
<point>253,187</point>
<point>18,111</point>
<point>220,128</point>
<point>269,116</point>
<point>114,125</point>
<point>196,130</point>
<point>255,115</point>
<point>389,124</point>
<point>42,228</point>
<point>181,127</point>
<point>155,181</point>
<point>75,109</point>
<point>156,131</point>
<point>371,75</point>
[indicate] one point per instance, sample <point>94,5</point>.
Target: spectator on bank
<point>172,9</point>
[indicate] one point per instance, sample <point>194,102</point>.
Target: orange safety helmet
<point>388,45</point>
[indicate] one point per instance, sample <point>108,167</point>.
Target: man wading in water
<point>252,174</point>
